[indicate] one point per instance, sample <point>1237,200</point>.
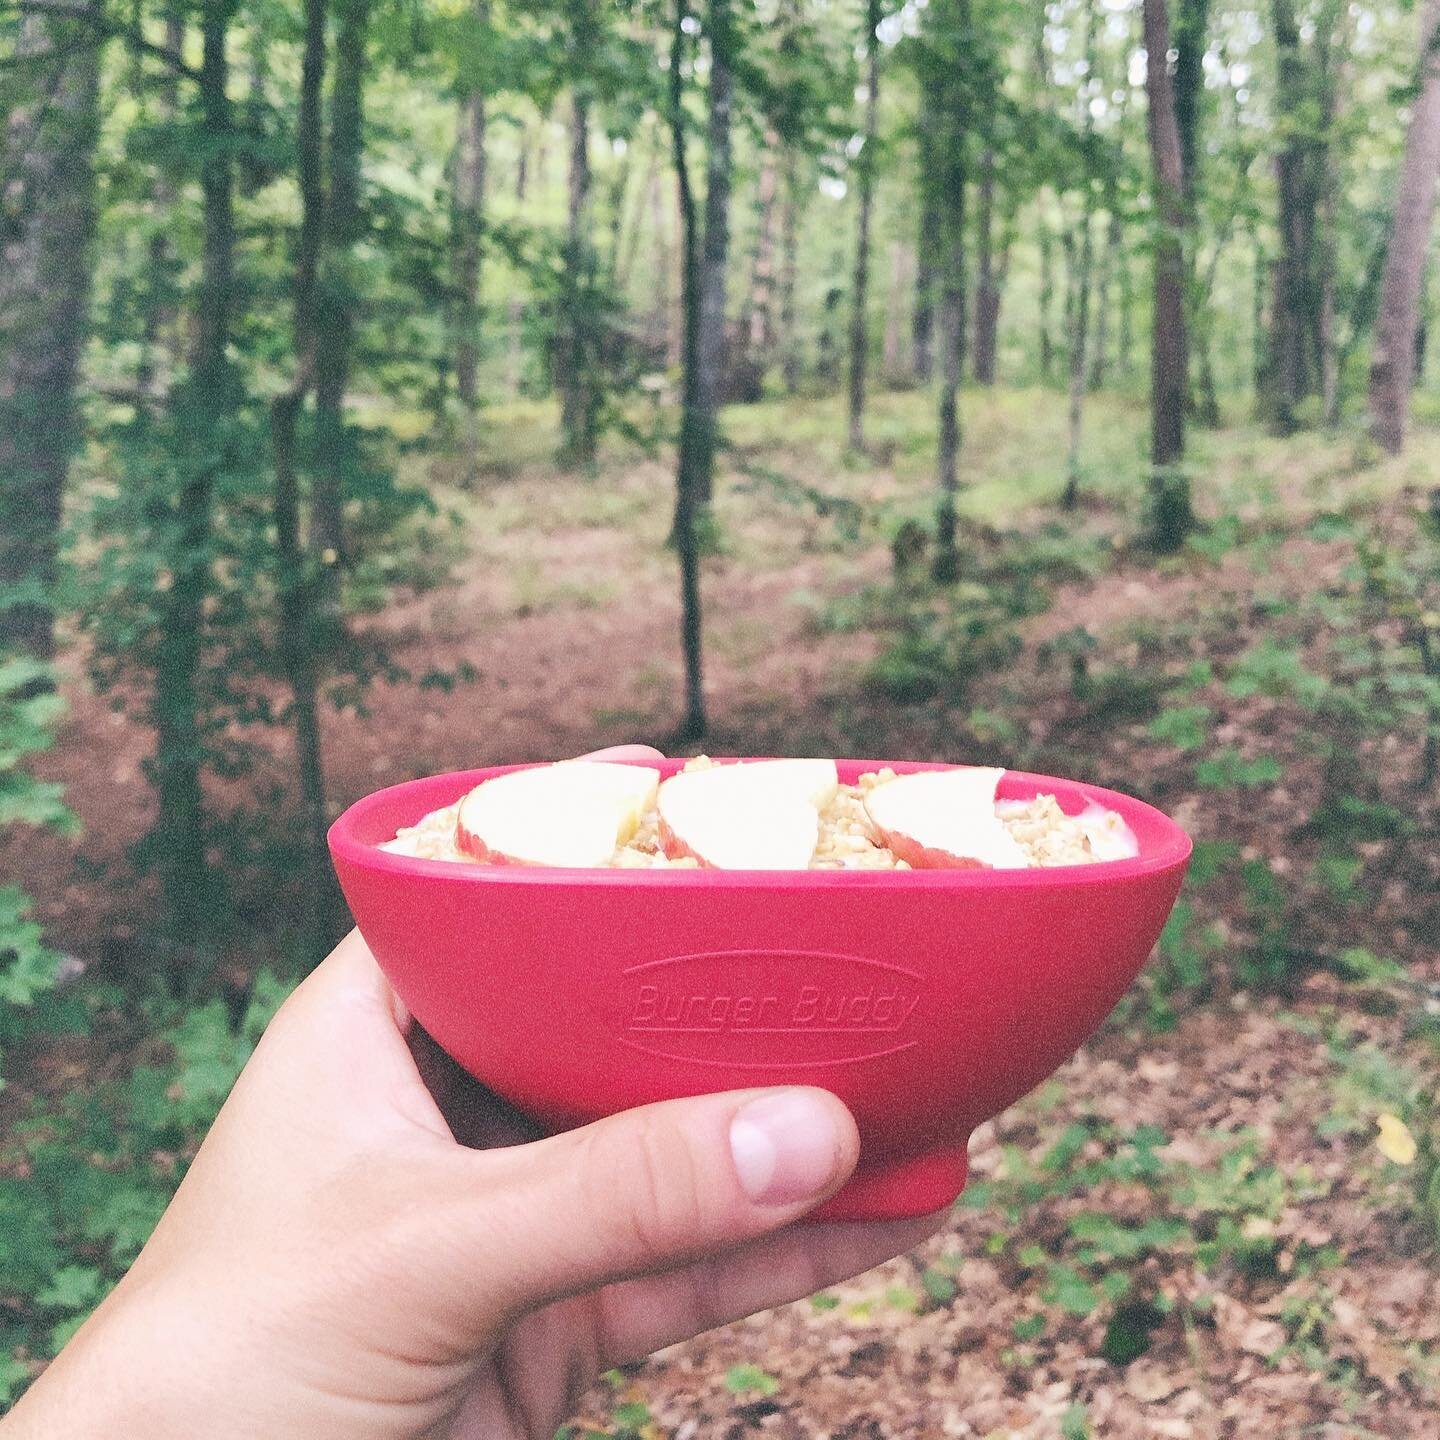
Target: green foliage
<point>101,1163</point>
<point>750,1380</point>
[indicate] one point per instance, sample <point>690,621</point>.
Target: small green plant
<point>750,1380</point>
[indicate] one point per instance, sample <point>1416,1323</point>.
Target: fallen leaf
<point>1395,1142</point>
<point>1148,1382</point>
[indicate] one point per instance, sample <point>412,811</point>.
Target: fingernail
<point>786,1147</point>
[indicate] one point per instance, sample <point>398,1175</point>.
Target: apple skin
<point>923,857</point>
<point>676,849</point>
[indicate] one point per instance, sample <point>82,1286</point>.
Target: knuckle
<point>653,1189</point>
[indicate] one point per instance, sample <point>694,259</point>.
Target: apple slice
<point>574,814</point>
<point>1109,836</point>
<point>764,815</point>
<point>944,820</point>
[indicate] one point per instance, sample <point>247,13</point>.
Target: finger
<point>652,1188</point>
<point>640,1316</point>
<point>625,753</point>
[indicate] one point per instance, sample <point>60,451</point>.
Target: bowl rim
<point>1172,850</point>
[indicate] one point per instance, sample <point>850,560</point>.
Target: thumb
<point>654,1187</point>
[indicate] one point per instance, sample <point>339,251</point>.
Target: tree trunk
<point>1103,295</point>
<point>160,318</point>
<point>1393,357</point>
<point>950,107</point>
<point>298,640</point>
<point>717,243</point>
<point>1047,293</point>
<point>789,266</point>
<point>927,256</point>
<point>760,305</point>
<point>987,292</point>
<point>692,438</point>
<point>1170,495</point>
<point>891,357</point>
<point>859,296</point>
<point>1125,345</point>
<point>1077,361</point>
<point>45,271</point>
<point>337,294</point>
<point>467,221</point>
<point>577,425</point>
<point>1079,336</point>
<point>205,410</point>
<point>1289,370</point>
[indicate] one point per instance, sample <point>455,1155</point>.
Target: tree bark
<point>950,108</point>
<point>894,307</point>
<point>44,299</point>
<point>298,640</point>
<point>467,222</point>
<point>760,305</point>
<point>160,315</point>
<point>1077,364</point>
<point>577,421</point>
<point>715,250</point>
<point>1295,311</point>
<point>1047,294</point>
<point>205,411</point>
<point>859,294</point>
<point>692,438</point>
<point>1103,293</point>
<point>789,266</point>
<point>1170,496</point>
<point>987,292</point>
<point>337,294</point>
<point>927,254</point>
<point>1393,357</point>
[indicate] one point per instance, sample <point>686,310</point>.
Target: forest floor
<point>1189,1231</point>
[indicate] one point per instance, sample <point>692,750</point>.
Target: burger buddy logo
<point>758,1008</point>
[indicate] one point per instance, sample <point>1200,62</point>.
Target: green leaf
<point>1075,1423</point>
<point>1071,1291</point>
<point>1186,726</point>
<point>633,1415</point>
<point>13,1374</point>
<point>70,1287</point>
<point>1028,1327</point>
<point>938,1285</point>
<point>1228,768</point>
<point>750,1380</point>
<point>825,1301</point>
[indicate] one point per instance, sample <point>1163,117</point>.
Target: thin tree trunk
<point>206,409</point>
<point>859,295</point>
<point>1079,336</point>
<point>1191,24</point>
<point>336,295</point>
<point>927,254</point>
<point>950,107</point>
<point>160,315</point>
<point>987,293</point>
<point>760,306</point>
<point>894,307</point>
<point>45,273</point>
<point>629,248</point>
<point>692,423</point>
<point>467,219</point>
<point>1289,371</point>
<point>716,246</point>
<point>576,423</point>
<point>1103,295</point>
<point>1077,361</point>
<point>1047,293</point>
<point>789,266</point>
<point>1259,343</point>
<point>296,588</point>
<point>1393,358</point>
<point>1125,346</point>
<point>1170,495</point>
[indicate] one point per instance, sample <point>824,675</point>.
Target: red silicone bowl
<point>927,1000</point>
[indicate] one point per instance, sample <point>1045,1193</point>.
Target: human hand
<point>369,1245</point>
